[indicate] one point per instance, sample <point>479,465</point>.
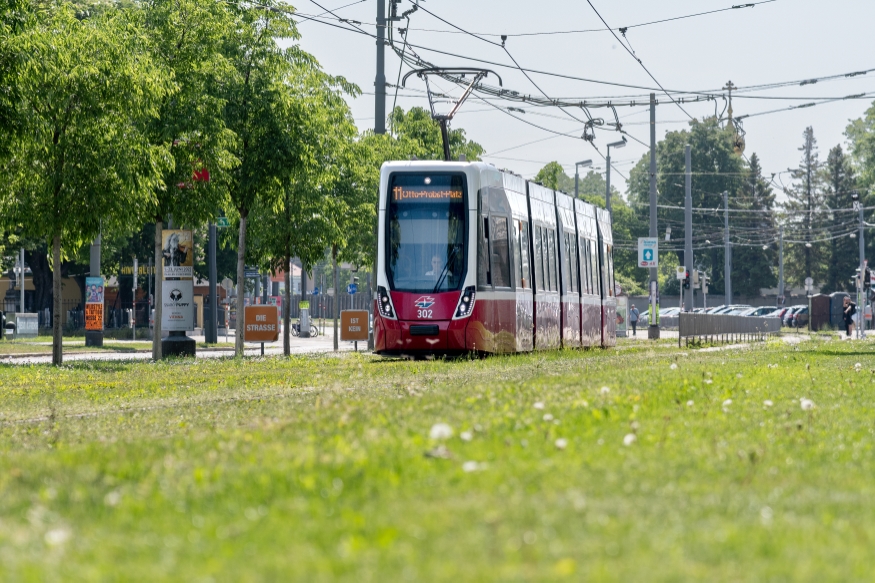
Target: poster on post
<point>93,290</point>
<point>178,252</point>
<point>177,299</point>
<point>94,304</point>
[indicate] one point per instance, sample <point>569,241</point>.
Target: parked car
<point>732,310</point>
<point>800,318</point>
<point>760,311</point>
<point>791,312</point>
<point>779,313</point>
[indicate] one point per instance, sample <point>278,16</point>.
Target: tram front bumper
<point>423,336</point>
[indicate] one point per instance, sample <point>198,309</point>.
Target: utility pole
<point>688,227</point>
<point>211,329</point>
<point>653,329</point>
<point>380,81</point>
<point>727,253</point>
<point>21,263</point>
<point>781,270</point>
<point>134,301</point>
<point>92,337</point>
<point>809,136</point>
<point>861,305</point>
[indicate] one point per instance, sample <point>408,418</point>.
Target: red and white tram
<point>474,259</point>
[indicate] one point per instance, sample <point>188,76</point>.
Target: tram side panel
<point>587,256</point>
<point>609,300</point>
<point>547,309</point>
<point>568,275</point>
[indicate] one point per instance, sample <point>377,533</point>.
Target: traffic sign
<point>352,288</point>
<point>648,252</point>
<point>681,272</point>
<point>353,325</point>
<point>223,222</point>
<point>315,291</point>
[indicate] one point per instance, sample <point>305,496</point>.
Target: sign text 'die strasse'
<point>425,194</point>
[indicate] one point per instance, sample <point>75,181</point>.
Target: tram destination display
<point>402,194</point>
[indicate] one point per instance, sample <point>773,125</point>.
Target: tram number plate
<point>424,313</point>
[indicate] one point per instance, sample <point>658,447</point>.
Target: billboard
<point>177,305</point>
<point>94,317</point>
<point>178,252</point>
<point>93,290</point>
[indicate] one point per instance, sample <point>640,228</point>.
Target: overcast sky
<point>779,41</point>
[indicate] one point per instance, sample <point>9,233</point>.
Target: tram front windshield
<point>426,232</point>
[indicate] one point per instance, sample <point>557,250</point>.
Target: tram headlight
<point>466,303</point>
<point>385,303</point>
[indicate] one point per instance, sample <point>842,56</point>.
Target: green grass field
<point>323,468</point>
<point>76,346</point>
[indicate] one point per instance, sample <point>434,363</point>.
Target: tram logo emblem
<point>424,302</point>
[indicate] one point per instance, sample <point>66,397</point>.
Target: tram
<point>476,259</point>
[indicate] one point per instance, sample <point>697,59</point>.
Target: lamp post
<point>584,164</point>
<point>858,206</point>
<point>620,144</point>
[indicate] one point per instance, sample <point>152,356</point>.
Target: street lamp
<point>584,164</point>
<point>620,144</point>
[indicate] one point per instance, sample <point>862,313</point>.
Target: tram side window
<point>573,273</point>
<point>500,252</point>
<point>483,275</point>
<point>551,258</point>
<point>515,243</point>
<point>609,265</point>
<point>596,273</point>
<point>584,266</point>
<point>523,247</point>
<point>538,259</point>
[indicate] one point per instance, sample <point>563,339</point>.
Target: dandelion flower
<point>807,404</point>
<point>629,439</point>
<point>708,381</point>
<point>466,436</point>
<point>548,417</point>
<point>538,405</point>
<point>605,390</point>
<point>440,431</point>
<point>674,366</point>
<point>57,536</point>
<point>561,443</point>
<point>738,376</point>
<point>470,466</point>
<point>727,402</point>
<point>690,403</point>
<point>767,403</point>
<point>858,367</point>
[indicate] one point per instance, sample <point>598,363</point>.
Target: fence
<point>322,306</point>
<point>723,328</point>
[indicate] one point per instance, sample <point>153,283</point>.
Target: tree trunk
<point>241,285</point>
<point>37,260</point>
<point>58,305</point>
<point>336,309</point>
<point>158,302</point>
<point>287,306</point>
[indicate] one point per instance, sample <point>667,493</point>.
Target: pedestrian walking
<point>848,315</point>
<point>633,319</point>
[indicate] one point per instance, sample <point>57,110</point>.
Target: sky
<point>771,42</point>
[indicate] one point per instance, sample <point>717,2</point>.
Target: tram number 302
<point>423,313</point>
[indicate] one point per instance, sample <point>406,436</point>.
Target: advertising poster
<point>94,317</point>
<point>178,251</point>
<point>177,299</point>
<point>94,290</point>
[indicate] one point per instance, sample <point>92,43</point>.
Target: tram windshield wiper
<point>446,269</point>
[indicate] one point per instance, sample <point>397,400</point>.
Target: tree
<point>190,39</point>
<point>80,162</point>
<point>753,229</point>
<point>553,176</point>
<point>844,252</point>
<point>715,168</point>
<point>807,215</point>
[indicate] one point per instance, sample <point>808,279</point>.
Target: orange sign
<point>94,317</point>
<point>260,324</point>
<point>353,325</point>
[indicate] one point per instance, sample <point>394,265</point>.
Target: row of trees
<point>150,111</point>
<point>815,211</point>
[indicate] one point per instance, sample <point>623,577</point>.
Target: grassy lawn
<point>74,346</point>
<point>323,468</point>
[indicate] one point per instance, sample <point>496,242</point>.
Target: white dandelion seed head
<point>440,431</point>
<point>57,536</point>
<point>738,376</point>
<point>634,425</point>
<point>466,436</point>
<point>605,390</point>
<point>767,403</point>
<point>538,405</point>
<point>470,466</point>
<point>674,366</point>
<point>629,439</point>
<point>727,402</point>
<point>561,443</point>
<point>548,417</point>
<point>806,404</point>
<point>690,403</point>
<point>708,381</point>
<point>112,498</point>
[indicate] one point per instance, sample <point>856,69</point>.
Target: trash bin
<point>818,312</point>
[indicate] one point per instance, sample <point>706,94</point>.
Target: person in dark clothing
<point>848,315</point>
